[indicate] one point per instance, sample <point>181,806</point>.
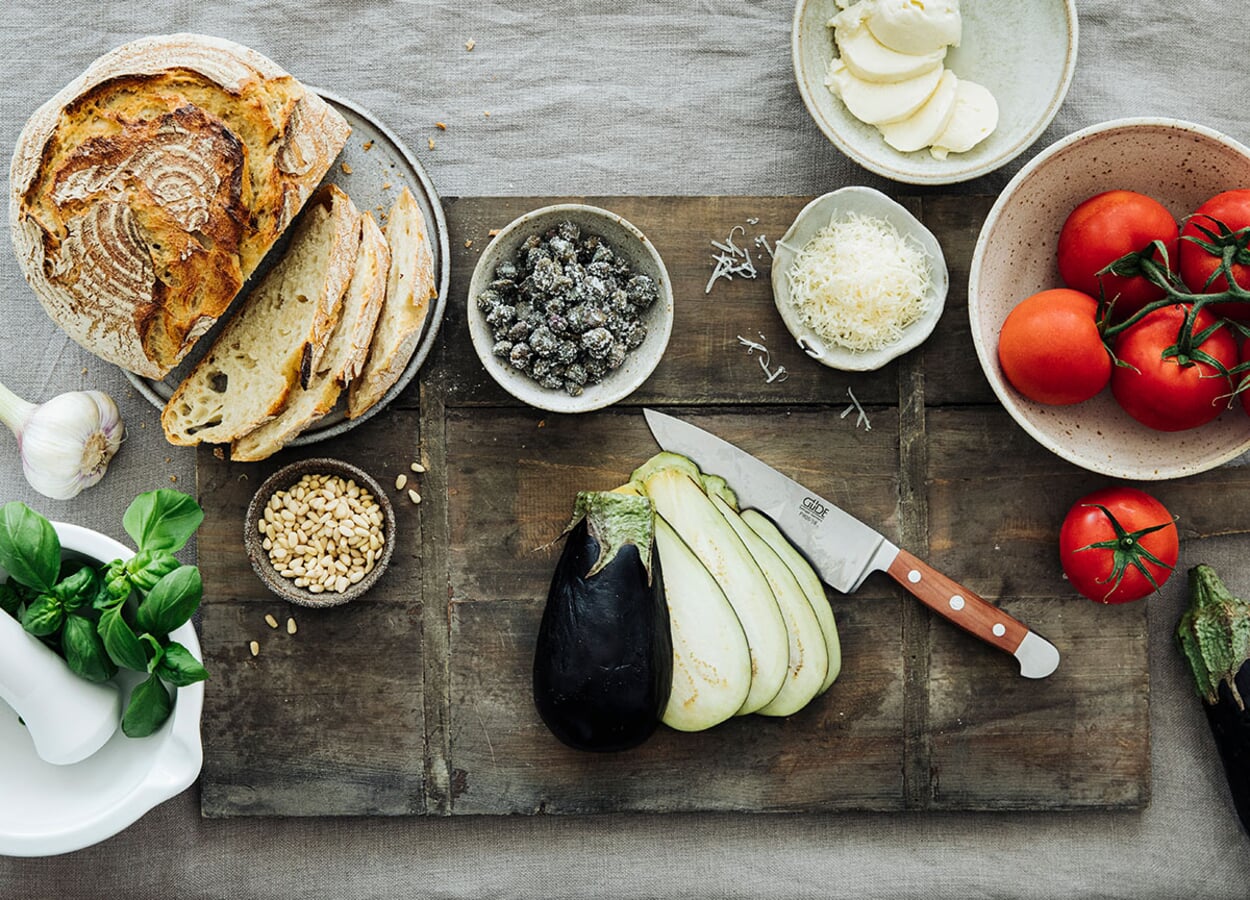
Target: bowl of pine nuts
<point>319,532</point>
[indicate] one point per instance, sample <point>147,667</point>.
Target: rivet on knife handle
<point>1037,656</point>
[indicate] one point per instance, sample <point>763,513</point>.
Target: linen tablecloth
<point>632,97</point>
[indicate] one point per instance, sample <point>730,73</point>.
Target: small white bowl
<point>1177,163</point>
<point>626,242</point>
<point>837,205</point>
<point>47,809</point>
<point>1024,52</point>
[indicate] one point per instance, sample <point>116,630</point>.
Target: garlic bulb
<point>65,443</point>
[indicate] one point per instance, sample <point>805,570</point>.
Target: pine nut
<point>254,646</point>
<point>290,626</point>
<point>271,621</point>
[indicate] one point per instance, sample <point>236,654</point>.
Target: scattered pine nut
<point>414,496</point>
<point>417,467</point>
<point>492,232</point>
<point>290,626</point>
<point>468,244</point>
<point>254,646</point>
<point>271,621</point>
<point>400,480</point>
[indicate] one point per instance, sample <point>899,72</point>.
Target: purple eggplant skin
<point>603,663</point>
<point>1230,723</point>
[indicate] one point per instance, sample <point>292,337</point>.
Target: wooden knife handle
<point>955,602</point>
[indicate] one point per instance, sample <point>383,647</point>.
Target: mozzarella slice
<point>878,104</point>
<point>870,60</point>
<point>922,127</point>
<point>916,26</point>
<point>974,118</point>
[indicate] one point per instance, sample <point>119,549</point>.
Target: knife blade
<point>843,550</point>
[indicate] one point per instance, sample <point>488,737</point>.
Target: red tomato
<point>1114,542</point>
<point>1198,265</point>
<point>1050,348</point>
<point>1171,394</point>
<point>1105,228</point>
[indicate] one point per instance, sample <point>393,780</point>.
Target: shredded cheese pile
<point>858,283</point>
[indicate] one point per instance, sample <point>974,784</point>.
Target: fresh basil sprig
<point>112,615</point>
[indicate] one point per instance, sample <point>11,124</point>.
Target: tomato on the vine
<point>1176,392</point>
<point>1218,227</point>
<point>1050,348</point>
<point>1105,228</point>
<point>1118,544</point>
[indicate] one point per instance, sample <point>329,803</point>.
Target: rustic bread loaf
<point>145,192</point>
<point>342,359</point>
<point>409,291</point>
<point>276,338</point>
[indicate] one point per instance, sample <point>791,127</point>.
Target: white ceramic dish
<point>1177,163</point>
<point>837,206</point>
<point>1025,53</point>
<point>628,243</point>
<point>46,809</point>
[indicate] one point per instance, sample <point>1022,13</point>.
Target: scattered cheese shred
<point>858,283</point>
<point>765,359</point>
<point>862,417</point>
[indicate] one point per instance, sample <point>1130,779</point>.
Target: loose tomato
<point>1176,393</point>
<point>1200,264</point>
<point>1105,228</point>
<point>1117,544</point>
<point>1050,348</point>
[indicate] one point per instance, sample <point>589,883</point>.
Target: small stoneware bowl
<point>283,480</point>
<point>50,809</point>
<point>1177,163</point>
<point>628,243</point>
<point>1024,53</point>
<point>837,206</point>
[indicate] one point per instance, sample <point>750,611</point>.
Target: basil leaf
<point>163,519</point>
<point>44,616</point>
<point>120,641</point>
<point>114,587</point>
<point>148,709</point>
<point>178,667</point>
<point>147,567</point>
<point>29,548</point>
<point>171,602</point>
<point>84,651</point>
<point>77,589</point>
<point>10,599</point>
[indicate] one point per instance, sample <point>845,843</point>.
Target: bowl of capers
<point>570,308</point>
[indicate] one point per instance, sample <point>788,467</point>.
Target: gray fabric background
<point>688,97</point>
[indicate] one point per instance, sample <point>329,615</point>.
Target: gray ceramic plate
<point>1025,53</point>
<point>373,179</point>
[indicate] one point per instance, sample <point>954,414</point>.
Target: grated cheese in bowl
<point>858,283</point>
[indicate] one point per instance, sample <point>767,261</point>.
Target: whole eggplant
<point>603,664</point>
<point>1214,636</point>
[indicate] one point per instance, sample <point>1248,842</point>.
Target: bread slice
<point>278,334</point>
<point>409,291</point>
<point>343,357</point>
<point>144,194</point>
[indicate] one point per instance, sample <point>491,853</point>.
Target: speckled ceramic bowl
<point>1025,53</point>
<point>1180,165</point>
<point>284,479</point>
<point>628,243</point>
<point>837,206</point>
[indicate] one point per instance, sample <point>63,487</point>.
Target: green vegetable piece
<point>78,589</point>
<point>84,650</point>
<point>121,642</point>
<point>44,616</point>
<point>1213,634</point>
<point>171,602</point>
<point>147,567</point>
<point>30,551</point>
<point>178,667</point>
<point>10,600</point>
<point>162,519</point>
<point>149,707</point>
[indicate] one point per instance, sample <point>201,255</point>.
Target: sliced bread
<point>347,348</point>
<point>409,292</point>
<point>277,335</point>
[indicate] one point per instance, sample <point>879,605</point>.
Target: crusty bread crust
<point>410,290</point>
<point>346,349</point>
<point>258,359</point>
<point>211,149</point>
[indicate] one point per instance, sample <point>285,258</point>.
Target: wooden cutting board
<point>416,699</point>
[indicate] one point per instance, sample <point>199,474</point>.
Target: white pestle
<point>68,717</point>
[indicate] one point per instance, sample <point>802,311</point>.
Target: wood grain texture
<point>434,712</point>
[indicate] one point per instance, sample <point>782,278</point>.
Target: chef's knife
<point>844,550</point>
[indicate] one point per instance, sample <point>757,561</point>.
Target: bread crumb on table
<point>367,145</point>
<point>431,140</point>
<point>470,44</point>
<point>347,169</point>
<point>441,126</point>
